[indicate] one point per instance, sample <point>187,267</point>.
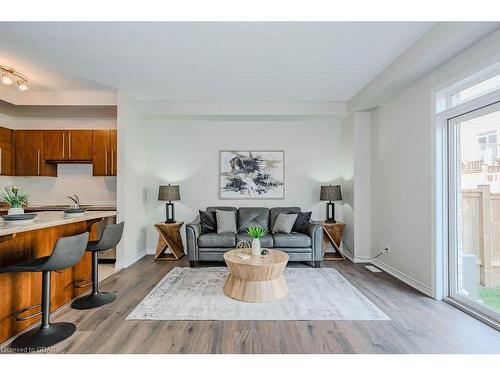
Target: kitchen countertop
<point>47,219</point>
<point>62,207</point>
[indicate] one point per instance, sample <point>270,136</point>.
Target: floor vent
<point>373,268</point>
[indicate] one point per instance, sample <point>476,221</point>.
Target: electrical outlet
<point>387,248</point>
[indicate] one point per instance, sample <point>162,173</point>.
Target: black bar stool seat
<point>111,236</point>
<point>66,253</point>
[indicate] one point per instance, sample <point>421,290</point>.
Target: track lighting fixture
<point>10,74</point>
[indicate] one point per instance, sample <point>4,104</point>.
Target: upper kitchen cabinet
<point>6,160</point>
<point>68,145</point>
<point>29,154</point>
<point>104,153</point>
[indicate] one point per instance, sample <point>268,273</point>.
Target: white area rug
<point>314,294</point>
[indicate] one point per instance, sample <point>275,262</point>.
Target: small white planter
<point>256,247</point>
<point>16,211</point>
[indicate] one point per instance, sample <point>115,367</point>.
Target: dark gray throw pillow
<point>302,221</point>
<point>208,222</point>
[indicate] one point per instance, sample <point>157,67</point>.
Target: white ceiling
<point>207,61</point>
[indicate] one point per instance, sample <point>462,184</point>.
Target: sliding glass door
<point>474,210</point>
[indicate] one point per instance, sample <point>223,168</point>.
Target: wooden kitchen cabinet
<point>68,145</point>
<point>6,160</point>
<point>104,153</point>
<point>29,154</point>
<point>114,143</point>
<point>80,145</point>
<point>54,144</point>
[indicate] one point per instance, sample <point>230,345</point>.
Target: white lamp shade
<point>22,86</point>
<point>6,80</point>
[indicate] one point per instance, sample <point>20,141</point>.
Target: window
<point>487,147</point>
<point>476,90</point>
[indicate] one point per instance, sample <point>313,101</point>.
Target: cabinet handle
<point>106,163</point>
<point>69,145</point>
<point>38,162</point>
<point>64,144</point>
<point>0,160</point>
<point>112,162</point>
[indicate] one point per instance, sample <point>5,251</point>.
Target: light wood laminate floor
<point>418,323</point>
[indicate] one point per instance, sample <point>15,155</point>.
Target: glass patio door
<point>474,210</point>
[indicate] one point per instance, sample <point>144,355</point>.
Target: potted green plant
<point>16,198</point>
<point>256,233</point>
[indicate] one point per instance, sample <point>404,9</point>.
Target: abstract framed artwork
<point>252,174</point>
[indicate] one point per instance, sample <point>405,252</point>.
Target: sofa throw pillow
<point>226,221</point>
<point>208,222</point>
<point>303,219</point>
<point>284,223</point>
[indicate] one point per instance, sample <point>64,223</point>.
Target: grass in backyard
<point>490,297</point>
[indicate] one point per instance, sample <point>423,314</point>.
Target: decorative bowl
<point>19,219</point>
<point>74,212</point>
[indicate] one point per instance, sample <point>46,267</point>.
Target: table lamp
<point>169,193</point>
<point>331,194</point>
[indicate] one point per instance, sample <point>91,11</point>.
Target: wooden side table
<point>332,235</point>
<point>169,237</point>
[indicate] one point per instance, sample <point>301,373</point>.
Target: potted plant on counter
<point>256,233</point>
<point>16,198</point>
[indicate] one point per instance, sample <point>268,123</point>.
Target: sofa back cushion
<point>275,211</point>
<point>253,217</point>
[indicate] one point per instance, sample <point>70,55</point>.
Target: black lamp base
<point>330,212</point>
<point>169,213</point>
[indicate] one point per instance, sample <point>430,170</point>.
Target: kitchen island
<point>21,243</point>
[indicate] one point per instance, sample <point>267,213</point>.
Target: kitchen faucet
<point>75,200</point>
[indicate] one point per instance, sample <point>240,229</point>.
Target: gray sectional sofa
<point>211,246</point>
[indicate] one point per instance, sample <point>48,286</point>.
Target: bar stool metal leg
<point>95,298</point>
<point>47,334</point>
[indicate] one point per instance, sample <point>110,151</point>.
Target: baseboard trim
<point>403,277</point>
<point>120,265</point>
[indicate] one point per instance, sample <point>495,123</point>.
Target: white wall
<point>348,183</point>
<point>356,184</point>
<point>402,165</point>
<point>131,181</point>
<point>362,185</point>
<point>30,123</point>
<point>187,153</point>
<point>71,179</point>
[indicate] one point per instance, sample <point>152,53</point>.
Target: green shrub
<point>256,232</point>
<point>15,197</point>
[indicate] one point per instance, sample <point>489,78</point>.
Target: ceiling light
<point>10,74</point>
<point>6,79</point>
<point>22,85</point>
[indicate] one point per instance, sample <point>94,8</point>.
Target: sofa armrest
<point>315,231</point>
<point>193,231</point>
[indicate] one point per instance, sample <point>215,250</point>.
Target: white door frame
<point>450,256</point>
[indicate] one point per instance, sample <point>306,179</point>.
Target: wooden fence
<point>481,232</point>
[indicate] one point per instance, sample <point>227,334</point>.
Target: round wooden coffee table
<point>256,279</point>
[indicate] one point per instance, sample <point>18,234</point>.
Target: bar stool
<point>111,236</point>
<point>66,253</point>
